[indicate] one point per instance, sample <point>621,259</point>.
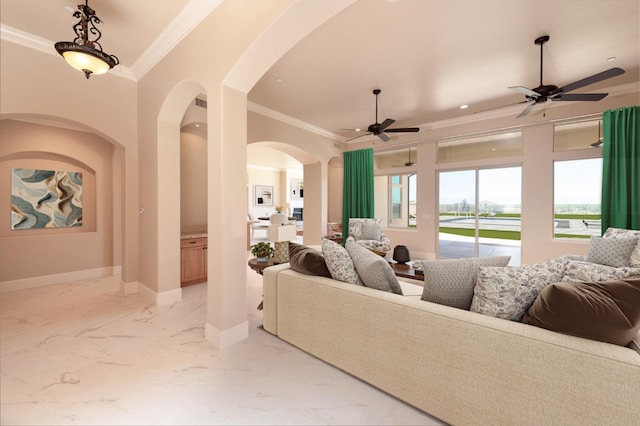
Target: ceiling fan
<point>543,92</point>
<point>407,164</point>
<point>381,129</point>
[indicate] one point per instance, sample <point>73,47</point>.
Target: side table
<point>259,268</point>
<point>335,238</point>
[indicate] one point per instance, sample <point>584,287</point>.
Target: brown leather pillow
<point>606,311</point>
<point>307,260</point>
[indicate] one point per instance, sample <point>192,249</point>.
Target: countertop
<point>193,232</point>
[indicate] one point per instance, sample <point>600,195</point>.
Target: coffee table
<point>405,271</point>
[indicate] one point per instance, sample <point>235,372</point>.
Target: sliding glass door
<point>480,213</point>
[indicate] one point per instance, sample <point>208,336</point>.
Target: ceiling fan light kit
<point>82,53</point>
<point>381,129</point>
<point>543,92</point>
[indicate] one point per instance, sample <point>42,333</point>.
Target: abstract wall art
<point>45,199</point>
<point>263,195</point>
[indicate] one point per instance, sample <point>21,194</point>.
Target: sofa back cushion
<point>606,311</point>
<point>451,281</point>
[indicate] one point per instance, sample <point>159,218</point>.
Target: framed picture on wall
<point>263,195</point>
<point>297,189</point>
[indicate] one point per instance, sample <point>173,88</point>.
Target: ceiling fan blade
<point>403,130</point>
<point>527,110</point>
<point>612,72</point>
<point>579,97</point>
<point>384,137</point>
<point>386,123</point>
<point>525,91</point>
<point>366,134</point>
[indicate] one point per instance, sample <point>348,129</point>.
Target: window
<point>576,197</point>
<point>395,200</point>
<point>479,148</point>
<point>480,213</point>
<point>395,187</point>
<point>579,135</point>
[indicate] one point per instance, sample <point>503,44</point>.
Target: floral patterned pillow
<point>616,233</point>
<point>507,292</point>
<point>587,272</point>
<point>339,263</point>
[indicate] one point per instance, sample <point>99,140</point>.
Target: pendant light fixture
<point>600,141</point>
<point>82,53</point>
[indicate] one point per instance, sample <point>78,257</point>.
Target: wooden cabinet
<point>193,261</point>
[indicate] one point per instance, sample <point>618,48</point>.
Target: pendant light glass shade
<point>82,53</point>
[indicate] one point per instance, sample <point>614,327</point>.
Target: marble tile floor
<point>82,353</point>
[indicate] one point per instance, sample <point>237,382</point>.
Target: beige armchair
<point>368,233</point>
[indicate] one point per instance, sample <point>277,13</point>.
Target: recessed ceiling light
<point>464,106</point>
<point>493,149</point>
<point>197,125</point>
<point>278,80</point>
<point>613,58</point>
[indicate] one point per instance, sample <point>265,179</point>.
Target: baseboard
<point>221,339</point>
<point>159,299</point>
<point>65,277</point>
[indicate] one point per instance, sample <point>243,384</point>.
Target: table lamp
<point>280,235</point>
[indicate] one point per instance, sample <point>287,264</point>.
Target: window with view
<point>396,198</point>
<point>576,198</point>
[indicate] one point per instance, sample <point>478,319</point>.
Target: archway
<point>94,249</point>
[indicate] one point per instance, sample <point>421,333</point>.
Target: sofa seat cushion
<point>374,271</point>
<point>409,289</point>
<point>606,311</point>
<point>451,281</point>
<point>307,260</point>
<point>508,292</point>
<point>339,263</point>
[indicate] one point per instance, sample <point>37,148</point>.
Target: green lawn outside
<point>487,233</point>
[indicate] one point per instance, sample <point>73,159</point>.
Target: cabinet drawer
<point>193,242</point>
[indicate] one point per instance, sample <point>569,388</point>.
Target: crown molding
<point>44,45</point>
<point>188,18</point>
<point>259,109</point>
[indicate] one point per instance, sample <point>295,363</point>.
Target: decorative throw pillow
<point>607,311</point>
<point>339,263</point>
<point>614,252</point>
<point>374,270</point>
<point>280,252</point>
<point>307,260</point>
<point>451,281</point>
<point>626,233</point>
<point>576,271</point>
<point>508,292</point>
<point>370,231</point>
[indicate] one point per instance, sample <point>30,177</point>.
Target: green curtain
<point>357,189</point>
<point>621,169</point>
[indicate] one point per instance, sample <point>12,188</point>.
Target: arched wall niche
<point>94,249</point>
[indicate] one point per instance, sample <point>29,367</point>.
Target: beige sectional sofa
<point>459,366</point>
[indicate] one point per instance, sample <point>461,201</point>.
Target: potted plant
<point>262,251</point>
